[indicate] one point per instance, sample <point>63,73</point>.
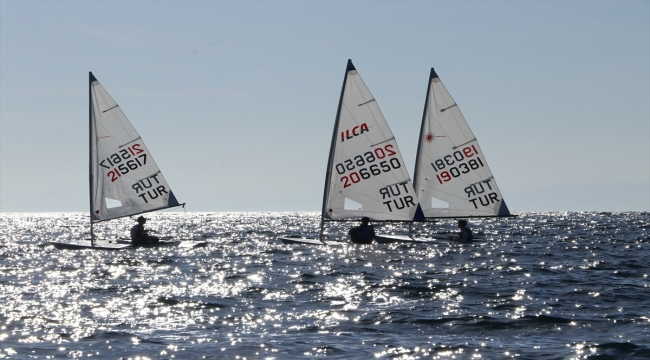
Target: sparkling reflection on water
<point>543,286</point>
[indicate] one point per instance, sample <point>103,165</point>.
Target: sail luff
<point>91,170</point>
<point>330,160</point>
<point>419,213</point>
<point>422,127</point>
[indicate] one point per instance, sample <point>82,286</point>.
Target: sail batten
<point>450,165</point>
<point>369,101</point>
<point>463,144</point>
<point>111,108</point>
<point>122,170</point>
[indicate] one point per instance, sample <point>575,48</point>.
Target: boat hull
<point>309,241</point>
<point>388,239</point>
<point>121,245</point>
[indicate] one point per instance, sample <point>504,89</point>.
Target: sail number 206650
<point>126,160</point>
<point>367,158</point>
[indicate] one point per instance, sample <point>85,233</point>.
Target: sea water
<point>540,286</point>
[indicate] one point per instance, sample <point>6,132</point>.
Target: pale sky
<point>236,100</point>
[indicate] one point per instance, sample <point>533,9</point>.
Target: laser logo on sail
<point>429,137</point>
<point>356,131</point>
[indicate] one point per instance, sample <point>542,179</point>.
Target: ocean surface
<point>540,286</point>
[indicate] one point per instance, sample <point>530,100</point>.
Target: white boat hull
<point>309,241</point>
<point>387,239</point>
<point>120,244</point>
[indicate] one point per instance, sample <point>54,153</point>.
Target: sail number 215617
<point>124,161</point>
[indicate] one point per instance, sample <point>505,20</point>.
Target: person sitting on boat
<point>140,236</point>
<point>363,234</point>
<point>465,235</point>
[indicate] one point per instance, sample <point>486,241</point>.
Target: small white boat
<point>452,177</point>
<point>121,244</point>
<point>366,175</point>
<point>124,178</point>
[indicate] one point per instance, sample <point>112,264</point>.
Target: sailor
<point>363,234</point>
<point>465,235</point>
<point>139,236</point>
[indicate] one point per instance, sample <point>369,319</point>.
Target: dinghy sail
<point>452,177</point>
<point>124,178</point>
<point>365,176</point>
<point>365,166</point>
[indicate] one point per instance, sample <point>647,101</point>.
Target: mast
<point>348,68</point>
<point>419,212</point>
<point>432,76</point>
<point>91,78</point>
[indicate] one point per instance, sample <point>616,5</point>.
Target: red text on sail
<point>124,161</point>
<point>357,169</point>
<point>356,131</point>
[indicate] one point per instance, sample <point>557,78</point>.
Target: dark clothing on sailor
<point>363,234</point>
<point>139,236</point>
<point>465,236</point>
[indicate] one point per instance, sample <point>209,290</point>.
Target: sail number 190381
<point>367,158</point>
<point>457,163</point>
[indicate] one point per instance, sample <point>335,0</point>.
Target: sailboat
<point>452,177</point>
<point>124,178</point>
<point>366,175</point>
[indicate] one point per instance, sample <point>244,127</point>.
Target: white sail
<point>452,177</point>
<point>365,168</point>
<point>125,179</point>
